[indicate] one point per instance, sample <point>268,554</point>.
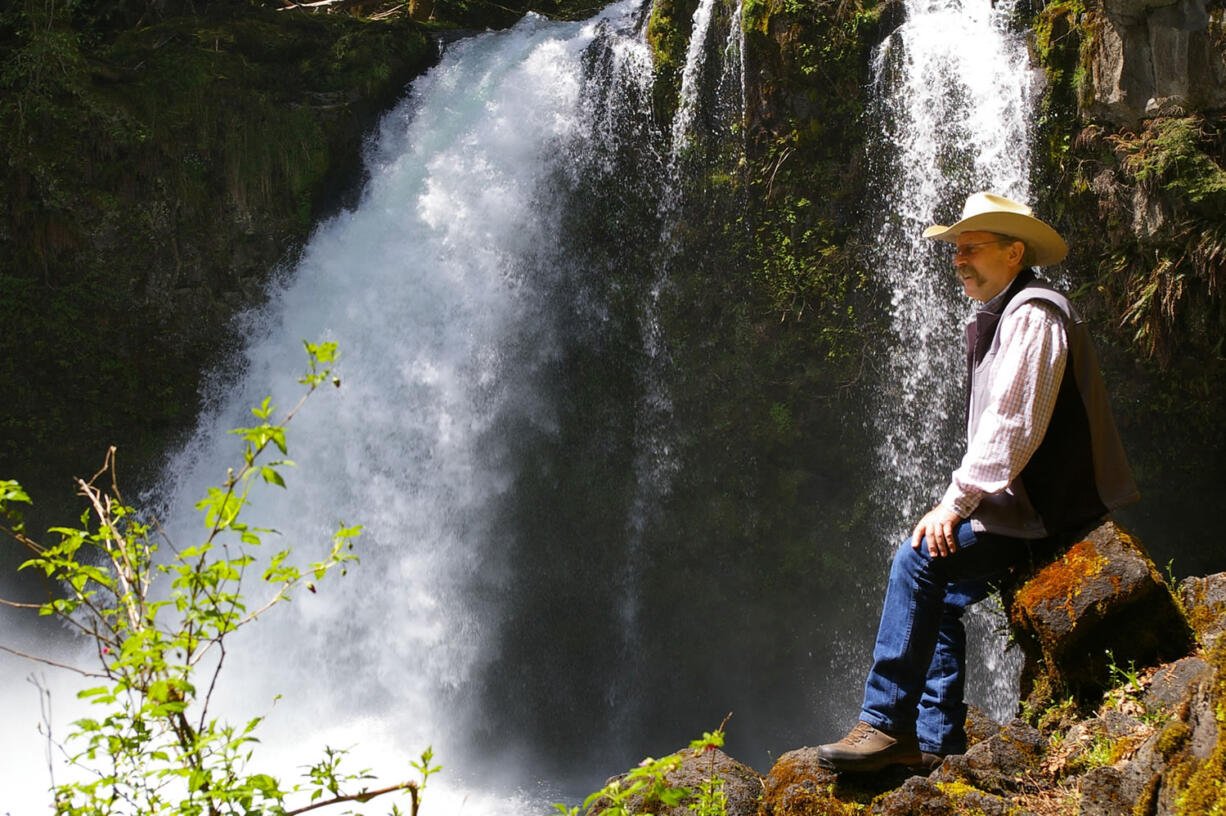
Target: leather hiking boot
<point>867,749</point>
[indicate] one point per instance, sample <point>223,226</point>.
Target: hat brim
<point>1045,244</point>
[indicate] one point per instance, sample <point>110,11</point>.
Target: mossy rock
<point>1100,604</point>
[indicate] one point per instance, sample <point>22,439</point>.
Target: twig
<point>17,605</point>
<point>782,158</point>
<point>44,708</point>
<point>364,796</point>
<point>48,661</point>
<point>204,708</point>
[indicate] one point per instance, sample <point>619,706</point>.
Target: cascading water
<point>953,103</point>
<point>521,192</point>
<point>442,290</point>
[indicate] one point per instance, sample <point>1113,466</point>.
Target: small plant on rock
<point>645,789</point>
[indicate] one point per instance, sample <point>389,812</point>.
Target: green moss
<point>668,32</point>
<point>1202,783</point>
<point>1173,738</point>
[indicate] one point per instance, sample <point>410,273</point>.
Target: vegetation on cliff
<point>157,168</point>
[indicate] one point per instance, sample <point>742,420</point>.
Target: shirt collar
<point>996,304</point>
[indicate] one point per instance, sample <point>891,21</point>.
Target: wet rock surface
<point>1151,56</point>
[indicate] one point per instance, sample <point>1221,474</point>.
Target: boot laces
<point>860,733</point>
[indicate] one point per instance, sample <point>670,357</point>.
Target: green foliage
<point>1171,154</point>
<point>1127,678</point>
<point>711,799</point>
<point>645,789</point>
<point>159,617</point>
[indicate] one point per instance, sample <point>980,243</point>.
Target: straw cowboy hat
<point>985,212</point>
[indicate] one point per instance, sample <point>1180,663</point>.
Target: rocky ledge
<point>1145,740</point>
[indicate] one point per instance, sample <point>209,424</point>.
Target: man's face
<point>985,264</point>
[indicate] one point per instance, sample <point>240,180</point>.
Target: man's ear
<point>1017,251</point>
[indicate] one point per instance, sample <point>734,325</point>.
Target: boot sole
<point>916,766</point>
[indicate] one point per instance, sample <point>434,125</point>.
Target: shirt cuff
<point>961,501</point>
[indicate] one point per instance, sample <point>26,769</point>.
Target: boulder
<point>1204,599</point>
<point>1100,605</point>
<point>1000,765</point>
<point>1168,688</point>
<point>1182,766</point>
<point>742,785</point>
<point>1103,793</point>
<point>797,786</point>
<point>919,796</point>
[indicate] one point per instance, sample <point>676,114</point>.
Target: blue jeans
<point>919,662</point>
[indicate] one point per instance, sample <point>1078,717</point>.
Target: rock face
<point>148,200</point>
<point>1102,603</point>
<point>1148,56</point>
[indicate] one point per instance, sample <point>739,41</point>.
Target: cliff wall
<point>1132,151</point>
<point>156,174</point>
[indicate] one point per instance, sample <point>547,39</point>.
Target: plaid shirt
<point>1030,364</point>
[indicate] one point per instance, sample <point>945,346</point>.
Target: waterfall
<point>952,100</point>
<point>442,290</point>
<point>708,108</point>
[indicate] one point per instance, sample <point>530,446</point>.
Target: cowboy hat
<point>985,212</point>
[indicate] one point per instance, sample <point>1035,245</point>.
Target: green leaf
<point>11,490</point>
<point>271,476</point>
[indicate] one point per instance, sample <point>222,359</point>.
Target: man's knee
<point>911,562</point>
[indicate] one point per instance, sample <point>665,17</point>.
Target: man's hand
<point>937,526</point>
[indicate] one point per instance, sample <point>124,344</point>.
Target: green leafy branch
<point>156,747</point>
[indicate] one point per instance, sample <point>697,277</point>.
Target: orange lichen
<point>1062,579</point>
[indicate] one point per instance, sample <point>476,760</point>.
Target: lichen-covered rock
<point>798,786</point>
<point>1205,602</point>
<point>1001,764</point>
<point>1102,793</point>
<point>1186,761</point>
<point>919,796</point>
<point>979,726</point>
<point>1101,603</point>
<point>916,796</point>
<point>1168,688</point>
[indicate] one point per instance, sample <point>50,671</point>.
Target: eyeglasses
<point>967,250</point>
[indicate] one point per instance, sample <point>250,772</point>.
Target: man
<point>1043,464</point>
